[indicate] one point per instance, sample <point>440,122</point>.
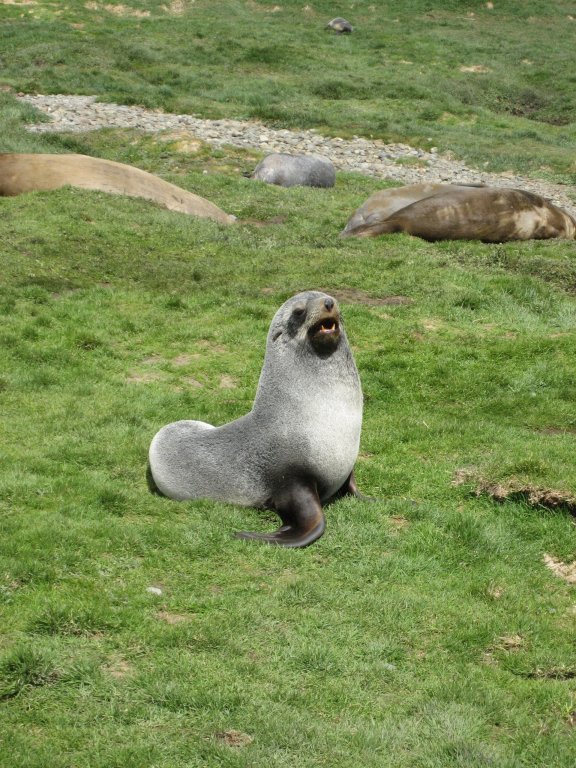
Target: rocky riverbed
<point>395,162</point>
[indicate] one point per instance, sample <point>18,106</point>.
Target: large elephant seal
<point>296,170</point>
<point>460,212</point>
<point>39,172</point>
<point>296,448</point>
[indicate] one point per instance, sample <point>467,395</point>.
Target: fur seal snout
<point>296,449</point>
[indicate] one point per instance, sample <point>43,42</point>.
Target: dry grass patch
<point>117,10</point>
<point>566,571</point>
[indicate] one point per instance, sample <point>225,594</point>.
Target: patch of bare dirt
<point>475,68</point>
<point>118,668</point>
<point>533,495</point>
<point>566,571</point>
<point>144,378</point>
<point>117,10</point>
<point>172,618</point>
<point>234,738</point>
<point>180,361</point>
<point>176,7</point>
<point>356,296</point>
<point>227,382</point>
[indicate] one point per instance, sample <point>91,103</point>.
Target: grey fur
<point>296,170</point>
<point>305,422</point>
<point>340,25</point>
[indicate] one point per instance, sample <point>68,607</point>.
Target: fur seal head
<point>310,322</point>
<point>296,448</point>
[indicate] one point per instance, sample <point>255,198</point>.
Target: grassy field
<point>432,628</point>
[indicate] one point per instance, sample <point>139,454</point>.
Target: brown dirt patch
<point>234,738</point>
<point>227,382</point>
<point>356,296</point>
<point>565,571</point>
<point>172,618</point>
<point>180,361</point>
<point>176,7</point>
<point>118,668</point>
<point>144,378</point>
<point>535,496</point>
<point>117,10</point>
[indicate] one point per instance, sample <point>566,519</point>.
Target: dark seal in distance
<point>340,25</point>
<point>296,449</point>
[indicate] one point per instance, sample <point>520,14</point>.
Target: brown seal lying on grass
<point>38,172</point>
<point>296,448</point>
<point>460,212</point>
<point>295,170</point>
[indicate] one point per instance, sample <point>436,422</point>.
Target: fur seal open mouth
<point>326,331</point>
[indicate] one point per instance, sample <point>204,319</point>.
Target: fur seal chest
<point>296,448</point>
<point>460,212</point>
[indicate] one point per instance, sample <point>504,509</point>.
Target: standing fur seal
<point>296,448</point>
<point>39,172</point>
<point>296,170</point>
<point>460,212</point>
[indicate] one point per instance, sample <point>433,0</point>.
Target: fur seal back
<point>460,212</point>
<point>296,170</point>
<point>296,448</point>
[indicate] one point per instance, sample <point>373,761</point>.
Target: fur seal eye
<point>299,311</point>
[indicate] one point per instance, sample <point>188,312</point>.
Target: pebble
<point>370,157</point>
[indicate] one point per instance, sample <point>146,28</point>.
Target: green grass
<point>400,76</point>
<point>424,629</point>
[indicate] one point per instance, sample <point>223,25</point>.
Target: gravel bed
<point>371,157</point>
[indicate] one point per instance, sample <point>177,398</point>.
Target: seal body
<point>460,212</point>
<point>296,170</point>
<point>38,172</point>
<point>340,25</point>
<point>296,448</point>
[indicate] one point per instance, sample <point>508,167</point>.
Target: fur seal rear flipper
<point>39,172</point>
<point>295,450</point>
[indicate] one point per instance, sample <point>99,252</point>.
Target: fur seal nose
<point>328,303</point>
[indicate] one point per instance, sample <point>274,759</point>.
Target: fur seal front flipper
<point>300,510</point>
<point>295,450</point>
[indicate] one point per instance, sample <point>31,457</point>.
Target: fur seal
<point>340,25</point>
<point>460,212</point>
<point>296,448</point>
<point>295,170</point>
<point>39,172</point>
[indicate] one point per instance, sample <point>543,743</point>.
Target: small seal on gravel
<point>296,170</point>
<point>340,25</point>
<point>296,448</point>
<point>460,212</point>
